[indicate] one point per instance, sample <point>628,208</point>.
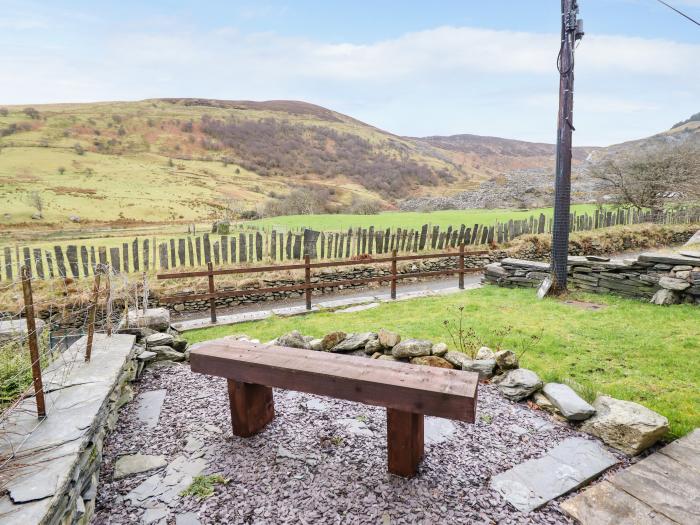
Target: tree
<point>31,113</point>
<point>648,179</point>
<point>36,201</point>
<point>4,112</point>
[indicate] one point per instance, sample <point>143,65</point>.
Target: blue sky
<point>410,67</point>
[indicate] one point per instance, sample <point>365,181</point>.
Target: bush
<point>364,206</point>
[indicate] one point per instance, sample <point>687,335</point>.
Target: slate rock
<point>485,353</point>
<point>506,360</point>
<point>412,348</point>
<point>671,283</point>
<point>387,358</point>
<point>458,359</point>
<point>665,297</point>
<point>140,333</point>
<point>155,318</point>
<point>518,384</point>
<point>159,339</point>
<point>388,339</point>
<point>439,349</point>
<point>332,339</point>
<point>373,346</point>
<point>484,367</point>
<point>166,353</point>
<point>431,360</point>
<point>292,340</point>
<point>316,345</point>
<point>624,425</point>
<point>545,404</point>
<point>179,344</point>
<point>137,463</point>
<point>354,342</point>
<point>569,403</point>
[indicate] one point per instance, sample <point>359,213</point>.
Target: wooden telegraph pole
<point>571,31</point>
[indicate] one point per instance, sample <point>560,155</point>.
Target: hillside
<point>194,159</point>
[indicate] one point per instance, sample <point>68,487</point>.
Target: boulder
<point>518,384</point>
<point>665,297</point>
<point>377,355</point>
<point>431,360</point>
<point>483,367</point>
<point>373,346</point>
<point>387,358</point>
<point>506,360</point>
<point>412,348</point>
<point>671,283</point>
<point>140,333</point>
<point>485,353</point>
<point>155,318</point>
<point>545,404</point>
<point>439,349</point>
<point>293,340</point>
<point>332,339</point>
<point>354,342</point>
<point>179,344</point>
<point>159,339</point>
<point>388,339</point>
<point>458,359</point>
<point>569,403</point>
<point>165,353</point>
<point>624,425</point>
<point>316,344</point>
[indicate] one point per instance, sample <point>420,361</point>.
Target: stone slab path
<point>426,289</point>
<point>663,488</point>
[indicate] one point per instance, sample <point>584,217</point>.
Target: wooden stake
<point>212,301</point>
<point>393,274</point>
<point>33,341</point>
<point>461,266</point>
<point>91,317</point>
<point>307,280</point>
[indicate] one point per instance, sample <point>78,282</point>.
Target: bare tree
<point>648,179</point>
<point>36,201</point>
<point>364,206</point>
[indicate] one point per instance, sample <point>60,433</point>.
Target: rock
<point>387,358</point>
<point>506,360</point>
<point>665,297</point>
<point>73,218</point>
<point>484,367</point>
<point>496,270</point>
<point>147,356</point>
<point>412,348</point>
<point>438,349</point>
<point>431,360</point>
<point>316,344</point>
<point>485,353</point>
<point>569,403</point>
<point>624,425</point>
<point>388,339</point>
<point>165,353</point>
<point>373,346</point>
<point>518,384</point>
<point>545,404</point>
<point>159,339</point>
<point>155,514</point>
<point>695,239</point>
<point>37,216</point>
<point>17,328</point>
<point>354,342</point>
<point>377,355</point>
<point>137,463</point>
<point>332,339</point>
<point>187,518</point>
<point>179,344</point>
<point>155,318</point>
<point>293,340</point>
<point>671,283</point>
<point>458,359</point>
<point>140,333</point>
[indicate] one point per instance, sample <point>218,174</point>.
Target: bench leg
<point>252,407</point>
<point>404,433</point>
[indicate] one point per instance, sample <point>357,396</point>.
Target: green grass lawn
<point>628,349</point>
<point>398,219</point>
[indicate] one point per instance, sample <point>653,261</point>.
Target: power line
<point>679,12</point>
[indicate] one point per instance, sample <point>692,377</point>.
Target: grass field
<point>627,349</point>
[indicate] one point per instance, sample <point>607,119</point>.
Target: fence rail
<point>153,254</point>
<point>307,286</point>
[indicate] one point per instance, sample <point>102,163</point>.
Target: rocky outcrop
<point>625,425</point>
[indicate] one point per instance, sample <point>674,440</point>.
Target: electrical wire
<point>679,12</point>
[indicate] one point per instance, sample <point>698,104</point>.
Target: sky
<point>410,67</point>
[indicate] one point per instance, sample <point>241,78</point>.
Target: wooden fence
<point>153,254</point>
<point>212,294</point>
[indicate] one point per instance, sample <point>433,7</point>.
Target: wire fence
<point>34,362</point>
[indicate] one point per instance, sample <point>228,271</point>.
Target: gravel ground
<point>333,475</point>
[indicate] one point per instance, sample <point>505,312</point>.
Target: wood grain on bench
<point>407,391</point>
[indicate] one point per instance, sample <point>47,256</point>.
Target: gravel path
<point>324,461</point>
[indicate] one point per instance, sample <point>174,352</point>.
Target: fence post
<point>393,274</point>
<point>108,303</point>
<point>307,280</point>
<point>212,300</point>
<point>91,317</point>
<point>32,340</point>
<point>461,266</point>
<point>145,294</point>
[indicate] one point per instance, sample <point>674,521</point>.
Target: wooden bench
<point>407,391</point>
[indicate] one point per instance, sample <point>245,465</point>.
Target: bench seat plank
<point>399,386</point>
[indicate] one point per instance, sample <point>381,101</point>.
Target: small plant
<point>527,343</point>
<point>337,440</point>
<point>464,338</point>
<point>61,170</point>
<point>498,335</point>
<point>362,419</point>
<point>486,418</point>
<point>203,486</point>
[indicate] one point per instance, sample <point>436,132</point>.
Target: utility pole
<point>571,31</point>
